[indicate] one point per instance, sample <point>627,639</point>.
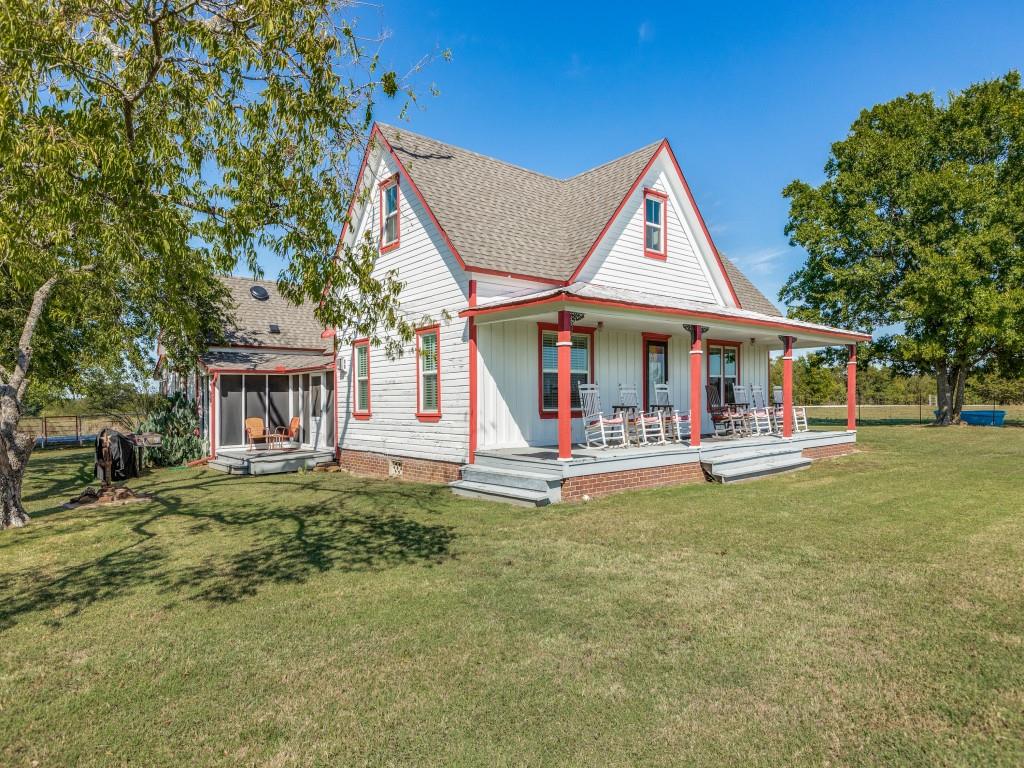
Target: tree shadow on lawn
<point>364,527</point>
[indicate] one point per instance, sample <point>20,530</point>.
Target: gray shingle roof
<point>262,360</point>
<point>510,219</point>
<point>252,318</point>
<point>503,217</point>
<point>748,294</point>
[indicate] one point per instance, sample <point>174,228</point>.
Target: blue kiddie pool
<point>991,418</point>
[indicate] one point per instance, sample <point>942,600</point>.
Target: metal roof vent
<point>258,292</point>
<point>274,328</point>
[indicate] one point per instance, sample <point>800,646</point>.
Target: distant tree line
<point>817,380</point>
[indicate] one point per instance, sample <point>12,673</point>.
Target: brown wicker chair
<point>289,433</point>
<point>255,430</point>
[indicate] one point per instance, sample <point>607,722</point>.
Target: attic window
<point>655,245</point>
<point>274,328</point>
<point>258,292</point>
<point>390,225</point>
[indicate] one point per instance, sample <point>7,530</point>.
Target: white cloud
<point>763,261</point>
<point>645,31</point>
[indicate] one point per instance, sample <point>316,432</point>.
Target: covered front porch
<point>532,353</point>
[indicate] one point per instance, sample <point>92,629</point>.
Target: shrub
<point>175,419</point>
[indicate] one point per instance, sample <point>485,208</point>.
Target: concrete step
<point>742,456</point>
<point>522,497</point>
<point>518,463</point>
<point>512,478</point>
<point>750,470</point>
<point>229,468</point>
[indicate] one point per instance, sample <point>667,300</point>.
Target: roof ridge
<point>470,152</point>
<point>650,146</point>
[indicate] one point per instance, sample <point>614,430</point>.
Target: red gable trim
<point>562,298</point>
<point>703,226</point>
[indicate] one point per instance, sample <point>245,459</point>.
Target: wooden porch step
<point>756,468</point>
<point>522,497</point>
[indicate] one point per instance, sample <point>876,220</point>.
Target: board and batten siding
<point>434,283</point>
<point>508,379</point>
<point>619,260</point>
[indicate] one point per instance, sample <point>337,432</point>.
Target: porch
<point>269,461</point>
<point>535,476</point>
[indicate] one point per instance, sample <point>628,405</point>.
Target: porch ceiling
<point>633,310</point>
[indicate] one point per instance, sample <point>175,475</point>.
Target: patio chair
<point>723,417</point>
<point>799,413</point>
<point>255,430</point>
<point>677,425</point>
<point>650,429</point>
<point>629,401</point>
<point>599,430</point>
<point>762,420</point>
<point>741,405</point>
<point>290,433</point>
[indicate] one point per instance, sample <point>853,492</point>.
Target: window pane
<point>577,379</point>
<point>730,361</point>
<point>549,352</point>
<point>715,361</point>
<point>428,351</point>
<point>390,229</point>
<point>653,211</point>
<point>580,352</point>
<point>428,392</point>
<point>653,238</point>
<point>391,199</point>
<point>549,391</point>
<point>362,361</point>
<point>362,394</point>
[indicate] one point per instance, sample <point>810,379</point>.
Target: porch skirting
<point>827,451</point>
<point>379,465</point>
<point>593,486</point>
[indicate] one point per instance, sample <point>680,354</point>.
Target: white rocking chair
<point>677,425</point>
<point>599,430</point>
<point>799,413</point>
<point>629,401</point>
<point>761,416</point>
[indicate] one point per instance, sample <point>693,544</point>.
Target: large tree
<point>148,145</point>
<point>918,230</point>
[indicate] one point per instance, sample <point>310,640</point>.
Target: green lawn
<point>867,611</point>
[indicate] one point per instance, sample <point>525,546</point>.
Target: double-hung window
<point>724,369</point>
<point>390,225</point>
<point>655,245</point>
<point>361,379</point>
<point>580,366</point>
<point>428,373</point>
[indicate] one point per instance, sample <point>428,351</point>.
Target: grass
<point>866,611</point>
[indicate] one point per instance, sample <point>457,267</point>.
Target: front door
<point>655,367</point>
<point>316,436</point>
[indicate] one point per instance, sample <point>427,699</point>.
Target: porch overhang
<point>608,302</point>
<point>255,361</point>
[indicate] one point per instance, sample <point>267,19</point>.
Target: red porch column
<point>564,345</point>
<point>787,386</point>
<point>851,389</point>
<point>696,355</point>
<point>472,375</point>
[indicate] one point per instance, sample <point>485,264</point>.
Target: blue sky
<point>750,95</point>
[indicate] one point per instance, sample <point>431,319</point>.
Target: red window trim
<point>657,337</point>
<point>356,413</point>
<point>541,328</point>
<point>708,343</point>
<point>391,181</point>
<point>428,415</point>
<point>661,255</point>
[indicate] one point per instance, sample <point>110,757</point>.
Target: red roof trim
<point>564,298</point>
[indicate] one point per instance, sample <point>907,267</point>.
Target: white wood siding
<point>509,414</point>
<point>435,282</point>
<point>691,271</point>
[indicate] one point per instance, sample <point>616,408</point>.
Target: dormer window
<point>655,245</point>
<point>389,220</point>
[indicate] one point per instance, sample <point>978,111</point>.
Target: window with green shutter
<point>428,363</point>
<point>361,379</point>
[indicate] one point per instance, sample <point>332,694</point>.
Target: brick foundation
<point>368,464</point>
<point>828,451</point>
<point>575,488</point>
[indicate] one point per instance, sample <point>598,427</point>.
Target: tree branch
<point>19,379</point>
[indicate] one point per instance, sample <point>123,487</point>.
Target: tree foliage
<point>146,147</point>
<point>175,419</point>
<point>918,230</point>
